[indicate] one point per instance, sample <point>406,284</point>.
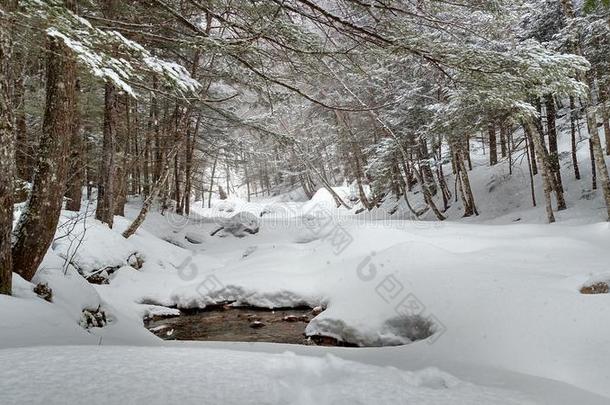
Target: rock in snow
<point>239,225</point>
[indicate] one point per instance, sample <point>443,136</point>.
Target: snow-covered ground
<point>141,375</point>
<point>482,310</point>
<point>508,320</point>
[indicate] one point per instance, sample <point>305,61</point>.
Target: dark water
<point>237,324</point>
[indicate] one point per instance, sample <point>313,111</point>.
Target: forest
<point>202,191</point>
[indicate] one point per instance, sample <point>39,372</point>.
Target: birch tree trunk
<point>544,168</point>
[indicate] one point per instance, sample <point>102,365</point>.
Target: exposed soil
<point>240,324</point>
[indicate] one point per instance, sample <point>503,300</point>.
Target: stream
<point>239,324</point>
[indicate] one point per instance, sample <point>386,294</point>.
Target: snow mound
<point>209,376</point>
<point>91,246</point>
<point>239,225</point>
<point>26,320</point>
<point>210,291</point>
<point>323,200</point>
<point>70,290</point>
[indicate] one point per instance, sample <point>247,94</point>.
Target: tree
<point>36,227</point>
<point>76,176</point>
<point>6,150</point>
<point>598,153</point>
<point>105,188</point>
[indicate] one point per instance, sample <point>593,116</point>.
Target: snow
<point>91,247</point>
<point>196,375</point>
<point>494,301</point>
<point>84,40</point>
<point>26,320</point>
<point>71,291</point>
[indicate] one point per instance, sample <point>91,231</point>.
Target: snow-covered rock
<point>239,225</point>
<point>92,247</point>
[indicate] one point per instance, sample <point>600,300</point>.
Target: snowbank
<point>131,375</point>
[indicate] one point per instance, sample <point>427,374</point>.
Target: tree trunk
<point>154,192</point>
<point>359,176</point>
<point>603,98</point>
<point>470,208</point>
<point>445,192</point>
<point>573,137</point>
<point>135,153</point>
<point>121,172</point>
<point>345,132</point>
<point>76,173</point>
<point>308,192</point>
<point>227,175</point>
<point>158,160</point>
<point>191,138</point>
<point>503,139</point>
<point>510,144</point>
<point>493,147</point>
<point>598,155</point>
<point>147,151</point>
<point>427,195</point>
<point>424,167</point>
<point>467,144</point>
<point>105,188</point>
<point>553,151</point>
<point>606,118</point>
<point>36,228</point>
<point>177,181</point>
<point>544,168</point>
<point>7,158</point>
<point>23,152</point>
<point>531,172</point>
<point>593,169</point>
<point>212,181</point>
<point>532,153</point>
<point>338,200</point>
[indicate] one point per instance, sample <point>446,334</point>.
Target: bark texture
<point>105,188</point>
<point>6,159</point>
<point>36,228</point>
<point>544,168</point>
<point>493,146</point>
<point>76,172</point>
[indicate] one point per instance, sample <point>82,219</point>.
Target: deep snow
<point>500,293</point>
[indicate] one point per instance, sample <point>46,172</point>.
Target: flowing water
<point>237,324</point>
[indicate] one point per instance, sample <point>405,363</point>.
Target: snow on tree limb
<point>108,54</point>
